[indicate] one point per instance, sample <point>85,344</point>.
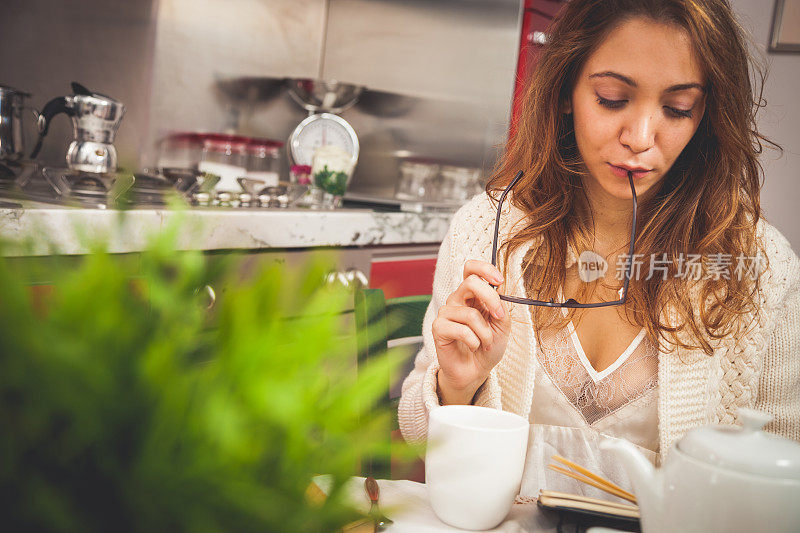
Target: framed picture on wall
<point>785,35</point>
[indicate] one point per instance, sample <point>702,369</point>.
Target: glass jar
<point>225,156</point>
<point>331,171</point>
<point>459,184</point>
<point>180,150</point>
<point>263,161</point>
<point>415,180</point>
<point>300,174</point>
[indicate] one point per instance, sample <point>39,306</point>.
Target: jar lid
<point>187,137</point>
<point>747,449</point>
<point>223,143</point>
<point>264,147</point>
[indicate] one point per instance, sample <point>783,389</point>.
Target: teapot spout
<point>647,482</point>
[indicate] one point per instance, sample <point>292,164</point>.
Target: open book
<point>574,502</point>
<point>562,501</point>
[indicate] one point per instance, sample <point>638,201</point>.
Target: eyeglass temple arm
<point>497,218</point>
<point>633,243</point>
<point>628,270</point>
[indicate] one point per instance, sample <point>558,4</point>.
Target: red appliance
<point>536,17</point>
<point>403,277</point>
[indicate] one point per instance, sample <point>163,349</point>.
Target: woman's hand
<point>470,333</point>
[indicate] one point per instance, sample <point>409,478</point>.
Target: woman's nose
<point>639,133</point>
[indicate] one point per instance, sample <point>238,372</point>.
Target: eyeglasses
<point>570,303</point>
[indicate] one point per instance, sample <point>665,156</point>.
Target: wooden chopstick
<point>589,481</point>
<point>593,476</point>
<point>587,499</point>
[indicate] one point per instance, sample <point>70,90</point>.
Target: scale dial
<point>320,130</point>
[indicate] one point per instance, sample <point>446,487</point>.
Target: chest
<point>604,333</point>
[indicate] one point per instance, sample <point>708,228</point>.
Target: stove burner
<point>27,180</point>
<point>6,173</point>
<point>89,188</point>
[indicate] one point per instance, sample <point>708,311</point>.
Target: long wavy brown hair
<point>708,203</point>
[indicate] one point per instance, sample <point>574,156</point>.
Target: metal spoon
<point>374,492</point>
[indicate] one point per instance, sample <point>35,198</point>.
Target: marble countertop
<point>47,230</point>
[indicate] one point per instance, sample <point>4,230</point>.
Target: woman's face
<point>636,104</point>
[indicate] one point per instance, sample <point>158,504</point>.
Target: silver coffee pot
<point>95,119</point>
<point>12,103</point>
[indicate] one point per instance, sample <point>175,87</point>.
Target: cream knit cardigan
<point>761,371</point>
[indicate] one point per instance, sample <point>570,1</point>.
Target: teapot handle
<point>50,109</point>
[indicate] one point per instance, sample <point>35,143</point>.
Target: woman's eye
<point>611,104</point>
<point>673,112</point>
<point>679,113</point>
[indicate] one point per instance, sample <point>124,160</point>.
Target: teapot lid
<point>747,449</point>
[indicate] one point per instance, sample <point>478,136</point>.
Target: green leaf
<point>125,405</point>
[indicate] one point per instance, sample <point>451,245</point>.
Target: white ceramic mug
<point>473,464</point>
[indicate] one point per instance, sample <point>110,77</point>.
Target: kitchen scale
<point>323,100</point>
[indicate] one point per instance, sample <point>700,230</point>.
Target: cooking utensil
<point>374,492</point>
<point>327,96</point>
<point>12,102</point>
<point>183,179</point>
<point>295,192</point>
<point>95,120</point>
<point>322,130</point>
<point>252,186</point>
<point>273,196</point>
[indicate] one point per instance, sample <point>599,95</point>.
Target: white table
<point>406,503</point>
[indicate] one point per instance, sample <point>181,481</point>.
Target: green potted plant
<point>125,405</point>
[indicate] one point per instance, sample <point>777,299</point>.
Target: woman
<point>645,100</point>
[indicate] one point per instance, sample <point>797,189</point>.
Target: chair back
<point>381,323</point>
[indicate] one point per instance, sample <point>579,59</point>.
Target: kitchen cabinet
<point>40,272</point>
<point>400,270</point>
<point>348,264</point>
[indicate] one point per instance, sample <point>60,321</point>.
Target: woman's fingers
<point>446,331</point>
<point>471,317</point>
<point>475,288</point>
<point>483,269</point>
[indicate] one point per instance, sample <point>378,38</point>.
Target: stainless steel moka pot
<point>95,119</point>
<point>12,103</point>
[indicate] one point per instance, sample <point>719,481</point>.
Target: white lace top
<point>575,407</point>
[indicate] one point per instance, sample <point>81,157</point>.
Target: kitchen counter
<point>52,229</point>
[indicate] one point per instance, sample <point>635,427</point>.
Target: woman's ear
<point>566,106</point>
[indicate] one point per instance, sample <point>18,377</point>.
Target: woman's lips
<point>623,173</point>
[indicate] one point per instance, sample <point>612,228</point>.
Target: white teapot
<point>719,478</point>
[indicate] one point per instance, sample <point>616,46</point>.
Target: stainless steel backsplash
<point>445,70</point>
<point>107,45</point>
<point>439,73</point>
